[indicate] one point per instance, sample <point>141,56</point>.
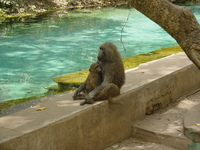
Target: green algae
<point>7,104</point>
<point>194,146</point>
<point>73,80</point>
<point>135,61</point>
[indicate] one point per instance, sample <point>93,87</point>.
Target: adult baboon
<point>113,76</point>
<point>92,81</point>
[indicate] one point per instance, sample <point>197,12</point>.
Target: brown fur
<point>94,77</point>
<point>113,76</point>
<point>92,81</point>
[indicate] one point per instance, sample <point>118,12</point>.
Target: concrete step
<point>192,126</point>
<point>165,129</point>
<point>135,144</point>
<point>178,142</point>
<point>167,126</point>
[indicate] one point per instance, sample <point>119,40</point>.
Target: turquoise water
<point>32,53</point>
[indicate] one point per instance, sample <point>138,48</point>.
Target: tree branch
<point>178,21</point>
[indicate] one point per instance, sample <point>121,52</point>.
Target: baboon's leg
<point>79,96</point>
<point>102,92</point>
<point>109,91</point>
<point>78,93</point>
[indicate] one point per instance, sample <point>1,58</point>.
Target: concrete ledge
<point>179,142</point>
<point>65,125</point>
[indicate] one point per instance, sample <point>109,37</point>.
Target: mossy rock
<point>71,80</point>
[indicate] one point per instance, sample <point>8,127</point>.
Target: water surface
<point>64,42</point>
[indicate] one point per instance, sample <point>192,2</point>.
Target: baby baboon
<point>113,76</point>
<point>92,81</point>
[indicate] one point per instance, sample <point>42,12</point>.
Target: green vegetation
<point>72,78</point>
<point>32,8</point>
<point>132,62</point>
<point>7,104</point>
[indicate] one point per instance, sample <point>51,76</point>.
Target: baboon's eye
<point>101,48</point>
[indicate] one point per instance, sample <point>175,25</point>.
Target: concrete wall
<point>65,125</point>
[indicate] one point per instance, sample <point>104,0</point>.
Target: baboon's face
<point>95,67</point>
<point>101,53</point>
<point>107,52</point>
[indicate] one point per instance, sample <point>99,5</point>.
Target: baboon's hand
<point>89,99</point>
<point>76,94</point>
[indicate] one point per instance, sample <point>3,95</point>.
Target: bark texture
<point>178,21</point>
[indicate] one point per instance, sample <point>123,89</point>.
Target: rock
<point>69,81</point>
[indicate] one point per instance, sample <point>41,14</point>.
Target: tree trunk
<point>178,21</point>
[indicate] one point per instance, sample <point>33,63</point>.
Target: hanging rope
<point>123,30</point>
